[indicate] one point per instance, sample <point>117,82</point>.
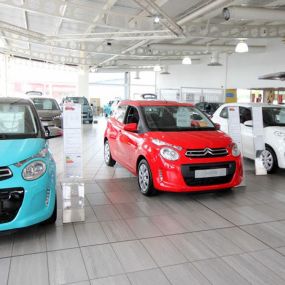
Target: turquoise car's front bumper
<point>39,195</point>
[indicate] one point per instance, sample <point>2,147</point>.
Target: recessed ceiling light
<point>157,68</point>
<point>186,60</point>
<point>156,19</point>
<point>241,47</point>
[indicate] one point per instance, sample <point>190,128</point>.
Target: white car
<point>274,131</point>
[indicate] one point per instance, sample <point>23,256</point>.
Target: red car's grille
<point>11,200</point>
<point>188,172</point>
<point>5,173</point>
<point>206,152</point>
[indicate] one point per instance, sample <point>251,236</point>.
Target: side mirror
<point>132,127</point>
<point>217,126</point>
<point>248,124</point>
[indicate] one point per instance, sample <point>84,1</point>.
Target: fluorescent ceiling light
<point>157,68</point>
<point>156,19</point>
<point>241,47</point>
<point>186,60</point>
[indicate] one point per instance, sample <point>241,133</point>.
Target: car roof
<point>251,105</point>
<point>12,100</point>
<point>40,97</point>
<point>153,103</point>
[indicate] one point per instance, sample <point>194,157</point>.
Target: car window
<point>119,113</point>
<point>224,113</point>
<point>132,115</point>
<point>244,114</point>
<point>45,104</point>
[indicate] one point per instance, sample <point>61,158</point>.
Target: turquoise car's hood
<point>13,151</point>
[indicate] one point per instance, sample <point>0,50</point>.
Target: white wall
<point>243,71</point>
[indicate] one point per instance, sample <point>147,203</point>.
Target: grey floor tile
<point>281,250</point>
<point>148,277</point>
<point>106,213</point>
<point>154,208</point>
<point>101,261</point>
<point>28,242</point>
<point>220,245</point>
<point>163,251</point>
<point>92,188</point>
<point>98,199</point>
<point>271,259</point>
<point>29,270</point>
<point>117,231</point>
<point>252,270</point>
<point>219,273</point>
<point>242,239</point>
<point>129,210</point>
<point>168,225</point>
<point>273,234</point>
<point>62,237</point>
<point>121,197</point>
<point>6,243</point>
<point>79,283</point>
<point>143,227</point>
<point>133,256</point>
<point>66,266</point>
<point>191,247</point>
<point>90,216</point>
<point>185,274</point>
<point>114,280</point>
<point>4,270</point>
<point>90,234</point>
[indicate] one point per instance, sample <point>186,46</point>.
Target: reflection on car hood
<point>16,150</point>
<point>194,139</point>
<point>49,113</point>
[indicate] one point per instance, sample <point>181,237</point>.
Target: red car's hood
<point>193,139</point>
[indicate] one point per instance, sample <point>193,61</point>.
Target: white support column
<point>127,85</point>
<point>83,83</point>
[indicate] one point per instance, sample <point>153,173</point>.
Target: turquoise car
<point>27,168</point>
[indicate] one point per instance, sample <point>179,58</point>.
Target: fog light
<point>47,197</point>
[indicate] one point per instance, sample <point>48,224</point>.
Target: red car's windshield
<point>175,118</point>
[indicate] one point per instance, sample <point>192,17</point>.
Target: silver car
<point>50,115</point>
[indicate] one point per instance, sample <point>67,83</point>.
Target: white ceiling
<point>107,32</point>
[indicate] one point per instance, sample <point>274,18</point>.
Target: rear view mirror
<point>132,127</point>
<point>217,126</point>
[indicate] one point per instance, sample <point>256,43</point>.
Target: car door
<point>246,133</point>
<point>129,140</point>
<point>115,127</point>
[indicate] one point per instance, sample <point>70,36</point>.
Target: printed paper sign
<point>183,117</point>
<point>234,125</point>
<point>71,116</point>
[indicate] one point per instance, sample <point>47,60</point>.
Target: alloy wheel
<point>267,159</point>
<point>144,178</point>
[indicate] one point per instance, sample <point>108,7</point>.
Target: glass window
<point>119,113</point>
<point>45,104</point>
<point>132,115</point>
<point>107,78</point>
<point>273,116</point>
<point>224,113</point>
<point>76,100</point>
<point>176,118</point>
<point>244,114</point>
<point>16,120</point>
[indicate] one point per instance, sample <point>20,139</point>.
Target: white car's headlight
<point>279,134</point>
<point>169,153</point>
<point>34,170</point>
<point>235,149</point>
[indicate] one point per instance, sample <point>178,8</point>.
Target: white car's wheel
<point>269,160</point>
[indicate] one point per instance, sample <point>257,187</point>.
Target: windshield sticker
<point>183,117</point>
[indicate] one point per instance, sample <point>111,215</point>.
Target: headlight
<point>235,149</point>
<point>279,134</point>
<point>169,153</point>
<point>57,117</point>
<point>34,170</point>
<point>162,143</point>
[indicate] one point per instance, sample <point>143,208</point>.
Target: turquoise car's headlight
<point>34,170</point>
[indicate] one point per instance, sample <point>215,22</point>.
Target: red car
<point>171,146</point>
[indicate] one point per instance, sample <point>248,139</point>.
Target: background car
<point>27,168</point>
<point>86,110</point>
<point>50,115</point>
<point>208,107</point>
<point>171,146</point>
<point>274,131</point>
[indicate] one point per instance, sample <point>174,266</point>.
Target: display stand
<point>72,187</point>
<point>258,140</point>
<point>235,132</point>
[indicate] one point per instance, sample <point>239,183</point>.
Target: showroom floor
<point>211,238</point>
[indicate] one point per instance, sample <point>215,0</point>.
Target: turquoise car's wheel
<point>52,218</point>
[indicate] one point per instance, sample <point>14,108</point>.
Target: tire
<point>269,160</point>
<point>90,121</point>
<point>52,218</point>
<point>145,180</point>
<point>107,155</point>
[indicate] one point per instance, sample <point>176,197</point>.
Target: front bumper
<point>180,176</point>
<point>32,202</point>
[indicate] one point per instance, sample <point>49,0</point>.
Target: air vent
<point>5,173</point>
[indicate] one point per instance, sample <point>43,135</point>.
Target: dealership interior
<point>142,142</point>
